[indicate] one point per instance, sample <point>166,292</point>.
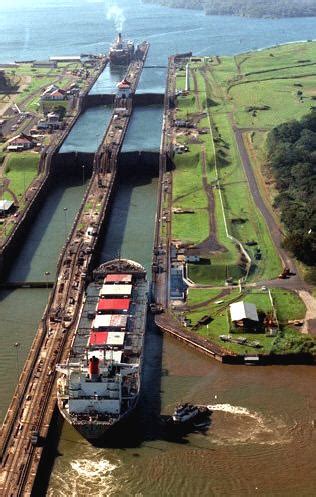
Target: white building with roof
<point>243,312</point>
<point>5,207</point>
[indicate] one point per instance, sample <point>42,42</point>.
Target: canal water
<point>22,309</point>
<point>144,131</point>
<point>153,80</point>
<point>87,133</point>
<point>107,81</point>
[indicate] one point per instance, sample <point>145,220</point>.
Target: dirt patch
<point>211,243</point>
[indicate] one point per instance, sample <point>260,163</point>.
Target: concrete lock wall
<point>139,99</point>
<point>70,164</point>
<point>11,249</point>
<point>138,163</point>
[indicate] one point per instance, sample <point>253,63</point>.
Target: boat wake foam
<point>83,476</point>
<point>87,468</point>
<point>254,428</point>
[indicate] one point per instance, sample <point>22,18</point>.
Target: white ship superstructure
<point>100,383</point>
<point>121,52</point>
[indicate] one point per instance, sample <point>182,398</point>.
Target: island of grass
<point>246,8</point>
<point>17,170</point>
<point>21,169</point>
<point>212,306</point>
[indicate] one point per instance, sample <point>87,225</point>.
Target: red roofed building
<point>54,93</point>
<point>21,142</point>
<point>124,88</point>
<point>57,95</point>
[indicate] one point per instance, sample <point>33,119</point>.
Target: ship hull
<point>91,400</point>
<point>120,60</point>
<point>97,433</point>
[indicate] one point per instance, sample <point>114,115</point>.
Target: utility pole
<point>65,220</point>
<point>47,273</point>
<point>17,346</point>
<point>83,174</point>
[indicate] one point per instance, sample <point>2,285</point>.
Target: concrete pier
<point>161,253</point>
<point>28,420</point>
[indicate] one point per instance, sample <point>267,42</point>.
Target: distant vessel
<point>121,52</point>
<point>100,383</point>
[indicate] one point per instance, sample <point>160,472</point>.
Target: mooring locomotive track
<point>29,416</point>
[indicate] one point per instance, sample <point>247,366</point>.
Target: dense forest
<point>247,8</point>
<point>292,156</point>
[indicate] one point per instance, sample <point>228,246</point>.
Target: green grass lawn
<point>216,272</point>
<point>188,191</point>
<point>244,220</point>
<point>288,306</point>
<point>276,57</point>
<point>272,93</point>
<point>21,169</point>
<point>269,77</point>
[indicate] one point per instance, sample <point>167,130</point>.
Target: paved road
<point>294,282</point>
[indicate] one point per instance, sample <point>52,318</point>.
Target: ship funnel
<point>119,39</point>
<point>94,368</point>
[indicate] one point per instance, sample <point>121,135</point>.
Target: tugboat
<point>184,413</point>
<point>187,418</point>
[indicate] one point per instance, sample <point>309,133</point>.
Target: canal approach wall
<point>139,99</point>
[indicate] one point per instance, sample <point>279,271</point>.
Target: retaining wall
<point>138,163</point>
<point>70,164</point>
<point>139,99</point>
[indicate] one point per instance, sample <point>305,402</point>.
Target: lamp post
<point>65,221</point>
<point>47,273</point>
<point>17,346</point>
<point>24,185</point>
<point>83,174</point>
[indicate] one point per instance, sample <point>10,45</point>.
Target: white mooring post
<point>187,77</point>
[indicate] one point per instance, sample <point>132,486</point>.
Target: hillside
<point>247,8</point>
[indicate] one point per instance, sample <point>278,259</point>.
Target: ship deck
<point>134,332</point>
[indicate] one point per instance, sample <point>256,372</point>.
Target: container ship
<point>100,382</point>
<point>121,52</point>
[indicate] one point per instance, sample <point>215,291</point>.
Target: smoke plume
<point>116,14</point>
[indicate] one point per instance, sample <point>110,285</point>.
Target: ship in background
<point>121,52</point>
<point>99,384</point>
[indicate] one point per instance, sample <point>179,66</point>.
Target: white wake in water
<point>245,426</point>
<point>241,411</point>
<point>88,468</point>
<point>83,476</point>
